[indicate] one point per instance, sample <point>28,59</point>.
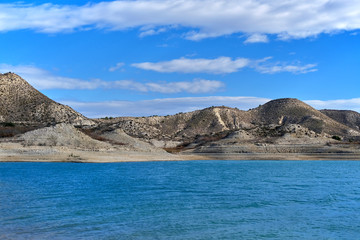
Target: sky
<point>160,57</point>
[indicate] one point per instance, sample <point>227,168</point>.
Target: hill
<point>346,117</point>
<point>293,111</point>
<point>183,127</point>
<point>281,126</point>
<point>215,123</point>
<point>21,103</point>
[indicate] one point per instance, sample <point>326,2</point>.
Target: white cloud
<point>161,106</point>
<point>42,79</point>
<point>201,18</point>
<point>200,65</point>
<point>340,104</point>
<point>257,38</point>
<point>195,86</point>
<point>266,67</point>
<point>222,65</point>
<point>174,105</point>
<point>277,68</point>
<point>150,32</point>
<point>116,67</point>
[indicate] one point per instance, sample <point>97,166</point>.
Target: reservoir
<point>181,200</point>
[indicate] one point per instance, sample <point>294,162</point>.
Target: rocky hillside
<point>62,135</point>
<point>182,126</point>
<point>346,117</point>
<point>293,111</point>
<point>215,123</point>
<point>20,102</point>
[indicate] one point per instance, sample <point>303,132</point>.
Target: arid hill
<point>293,111</point>
<point>183,127</point>
<point>214,123</point>
<point>20,102</point>
<point>29,123</point>
<point>346,117</point>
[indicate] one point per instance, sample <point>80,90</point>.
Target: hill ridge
<point>21,102</point>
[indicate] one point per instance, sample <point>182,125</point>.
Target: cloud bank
<point>200,65</point>
<point>175,105</point>
<point>200,18</point>
<point>339,104</point>
<point>223,65</point>
<point>161,106</point>
<point>42,80</point>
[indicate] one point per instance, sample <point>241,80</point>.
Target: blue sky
<point>121,58</point>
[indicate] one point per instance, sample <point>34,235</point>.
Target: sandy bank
<point>14,153</point>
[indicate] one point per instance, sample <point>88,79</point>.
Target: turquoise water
<point>181,200</point>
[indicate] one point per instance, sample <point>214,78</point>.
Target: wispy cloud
<point>257,38</point>
<point>195,86</point>
<point>116,67</point>
<point>223,65</point>
<point>149,32</point>
<point>204,18</point>
<point>161,106</point>
<point>263,66</point>
<point>199,65</point>
<point>42,79</point>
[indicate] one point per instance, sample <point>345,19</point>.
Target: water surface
<point>181,200</point>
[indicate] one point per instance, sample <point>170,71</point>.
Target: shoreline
<point>106,157</point>
<point>15,152</point>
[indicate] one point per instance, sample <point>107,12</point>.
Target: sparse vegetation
<point>8,124</point>
<point>108,118</point>
<point>71,155</point>
<point>93,134</point>
<point>11,130</point>
<point>74,158</point>
<point>336,138</point>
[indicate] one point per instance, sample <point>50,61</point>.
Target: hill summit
<point>293,111</point>
<point>20,102</point>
